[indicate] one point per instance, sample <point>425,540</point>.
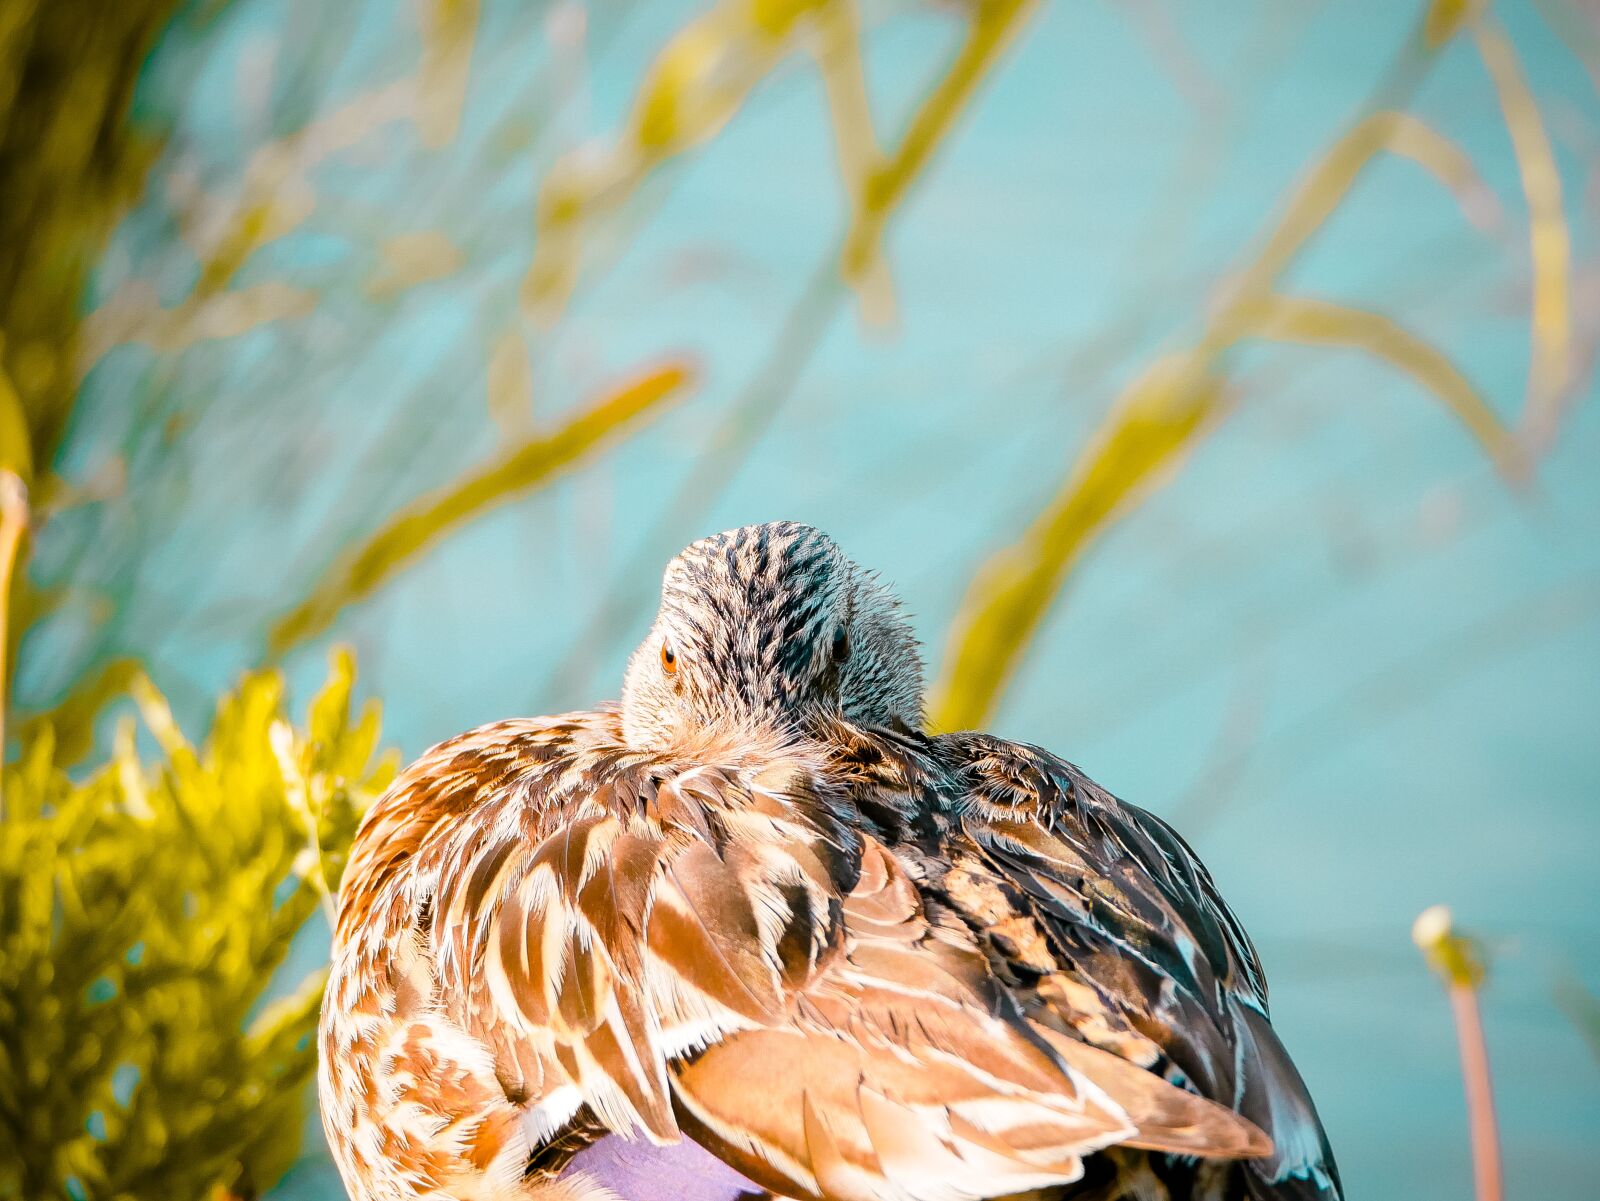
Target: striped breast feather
<point>1131,912</point>
<point>610,911</point>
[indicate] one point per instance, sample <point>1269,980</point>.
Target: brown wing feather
<point>1117,935</point>
<point>896,1079</point>
<point>621,909</point>
<point>703,928</point>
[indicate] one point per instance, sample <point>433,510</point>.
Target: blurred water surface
<point>1353,666</point>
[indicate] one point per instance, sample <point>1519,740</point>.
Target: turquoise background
<point>1357,671</point>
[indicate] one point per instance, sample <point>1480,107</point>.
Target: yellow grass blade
<point>1137,448</point>
<point>410,259</point>
<point>840,59</point>
<point>157,715</point>
<point>1330,180</point>
<point>993,25</point>
<point>418,526</point>
<point>1550,242</point>
<point>693,88</point>
<point>1411,137</point>
<point>1325,323</point>
<point>699,81</point>
<point>16,445</point>
<point>1445,18</point>
<point>1143,439</point>
<point>1315,199</point>
<point>449,28</point>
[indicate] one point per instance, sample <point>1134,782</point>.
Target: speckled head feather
<point>770,626</point>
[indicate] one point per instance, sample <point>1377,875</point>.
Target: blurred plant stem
<point>1459,962</point>
<point>1550,243</point>
<point>993,26</point>
<point>69,162</point>
<point>13,525</point>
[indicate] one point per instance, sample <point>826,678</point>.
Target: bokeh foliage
<point>145,912</point>
<point>69,165</point>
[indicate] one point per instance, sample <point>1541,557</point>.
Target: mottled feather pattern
<point>1133,915</point>
<point>756,913</point>
<point>587,911</point>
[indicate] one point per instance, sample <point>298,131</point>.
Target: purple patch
<point>639,1171</point>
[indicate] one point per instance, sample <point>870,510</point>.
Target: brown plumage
<point>756,907</point>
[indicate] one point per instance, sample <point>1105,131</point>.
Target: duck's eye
<point>841,645</point>
<point>669,659</point>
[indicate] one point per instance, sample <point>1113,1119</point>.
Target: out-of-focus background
<point>1215,383</point>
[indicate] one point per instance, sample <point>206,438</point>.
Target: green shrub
<point>145,914</point>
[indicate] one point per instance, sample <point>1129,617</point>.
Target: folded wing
<point>608,915</point>
<point>901,1077</point>
<point>1137,951</point>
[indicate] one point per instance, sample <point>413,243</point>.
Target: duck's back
<point>1104,924</point>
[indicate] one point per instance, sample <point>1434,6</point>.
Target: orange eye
<point>669,659</point>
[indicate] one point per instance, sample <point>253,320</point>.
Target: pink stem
<point>1480,1092</point>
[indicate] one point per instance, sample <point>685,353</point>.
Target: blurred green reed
<point>146,908</point>
<point>145,912</point>
<point>69,164</point>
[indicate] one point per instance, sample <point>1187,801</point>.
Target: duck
<point>753,931</point>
